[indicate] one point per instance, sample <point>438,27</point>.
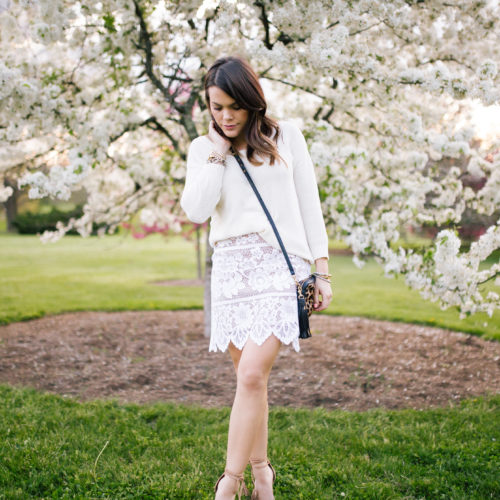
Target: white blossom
<point>487,70</point>
<point>5,193</point>
<point>372,82</point>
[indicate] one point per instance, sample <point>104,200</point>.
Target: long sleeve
<point>202,189</point>
<point>306,187</point>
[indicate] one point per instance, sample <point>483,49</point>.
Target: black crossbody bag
<point>305,287</point>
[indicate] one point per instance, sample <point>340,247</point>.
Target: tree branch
<point>295,86</point>
<point>401,37</point>
<point>265,23</point>
<point>153,124</point>
<point>146,45</point>
<point>489,279</point>
<point>364,29</point>
<point>444,58</point>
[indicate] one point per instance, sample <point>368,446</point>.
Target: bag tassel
<point>304,330</point>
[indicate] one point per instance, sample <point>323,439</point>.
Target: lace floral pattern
<point>253,293</point>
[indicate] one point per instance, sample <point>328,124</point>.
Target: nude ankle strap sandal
<point>240,483</point>
<point>260,463</point>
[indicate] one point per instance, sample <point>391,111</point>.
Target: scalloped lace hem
<point>222,344</point>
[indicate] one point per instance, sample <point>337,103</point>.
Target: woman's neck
<point>239,143</point>
<point>240,148</point>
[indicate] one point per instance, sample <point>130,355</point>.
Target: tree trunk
<point>11,206</point>
<point>207,295</point>
<point>198,251</point>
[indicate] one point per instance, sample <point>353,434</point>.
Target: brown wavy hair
<point>235,77</point>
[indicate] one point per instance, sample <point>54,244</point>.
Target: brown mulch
<point>146,356</point>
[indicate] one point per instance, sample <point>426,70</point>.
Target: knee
<point>251,378</point>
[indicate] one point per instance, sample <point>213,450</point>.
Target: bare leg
<point>263,476</point>
<point>249,407</point>
<point>259,446</point>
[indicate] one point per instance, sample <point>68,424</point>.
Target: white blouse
<point>290,194</point>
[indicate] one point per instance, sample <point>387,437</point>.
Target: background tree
<point>117,86</point>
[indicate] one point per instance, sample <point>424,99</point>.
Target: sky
<point>486,120</point>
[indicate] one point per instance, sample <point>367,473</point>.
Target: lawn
<point>117,273</point>
<point>55,447</point>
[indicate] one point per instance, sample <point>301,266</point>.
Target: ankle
<point>228,485</point>
<point>258,463</point>
<point>233,477</point>
<point>262,471</point>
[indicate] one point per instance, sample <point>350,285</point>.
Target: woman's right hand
<point>222,144</point>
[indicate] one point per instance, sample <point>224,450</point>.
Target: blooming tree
<point>115,89</point>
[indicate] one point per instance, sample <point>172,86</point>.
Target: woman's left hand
<point>324,289</point>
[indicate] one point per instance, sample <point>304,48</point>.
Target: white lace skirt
<point>253,293</point>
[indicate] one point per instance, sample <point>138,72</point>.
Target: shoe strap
<point>241,486</point>
<point>236,477</point>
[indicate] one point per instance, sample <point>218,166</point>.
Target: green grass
<point>81,274</point>
<point>367,292</point>
<point>115,273</point>
<point>56,447</point>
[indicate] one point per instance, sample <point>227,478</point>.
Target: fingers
<point>326,296</point>
<point>318,306</point>
<point>316,296</point>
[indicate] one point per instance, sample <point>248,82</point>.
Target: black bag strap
<point>247,175</point>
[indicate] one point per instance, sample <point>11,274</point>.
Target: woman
<point>254,304</point>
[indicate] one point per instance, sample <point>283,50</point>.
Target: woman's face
<point>226,112</point>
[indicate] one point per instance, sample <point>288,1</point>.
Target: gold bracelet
<point>216,157</point>
<point>325,275</point>
<point>324,279</point>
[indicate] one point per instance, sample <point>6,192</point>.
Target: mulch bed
<point>147,356</point>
